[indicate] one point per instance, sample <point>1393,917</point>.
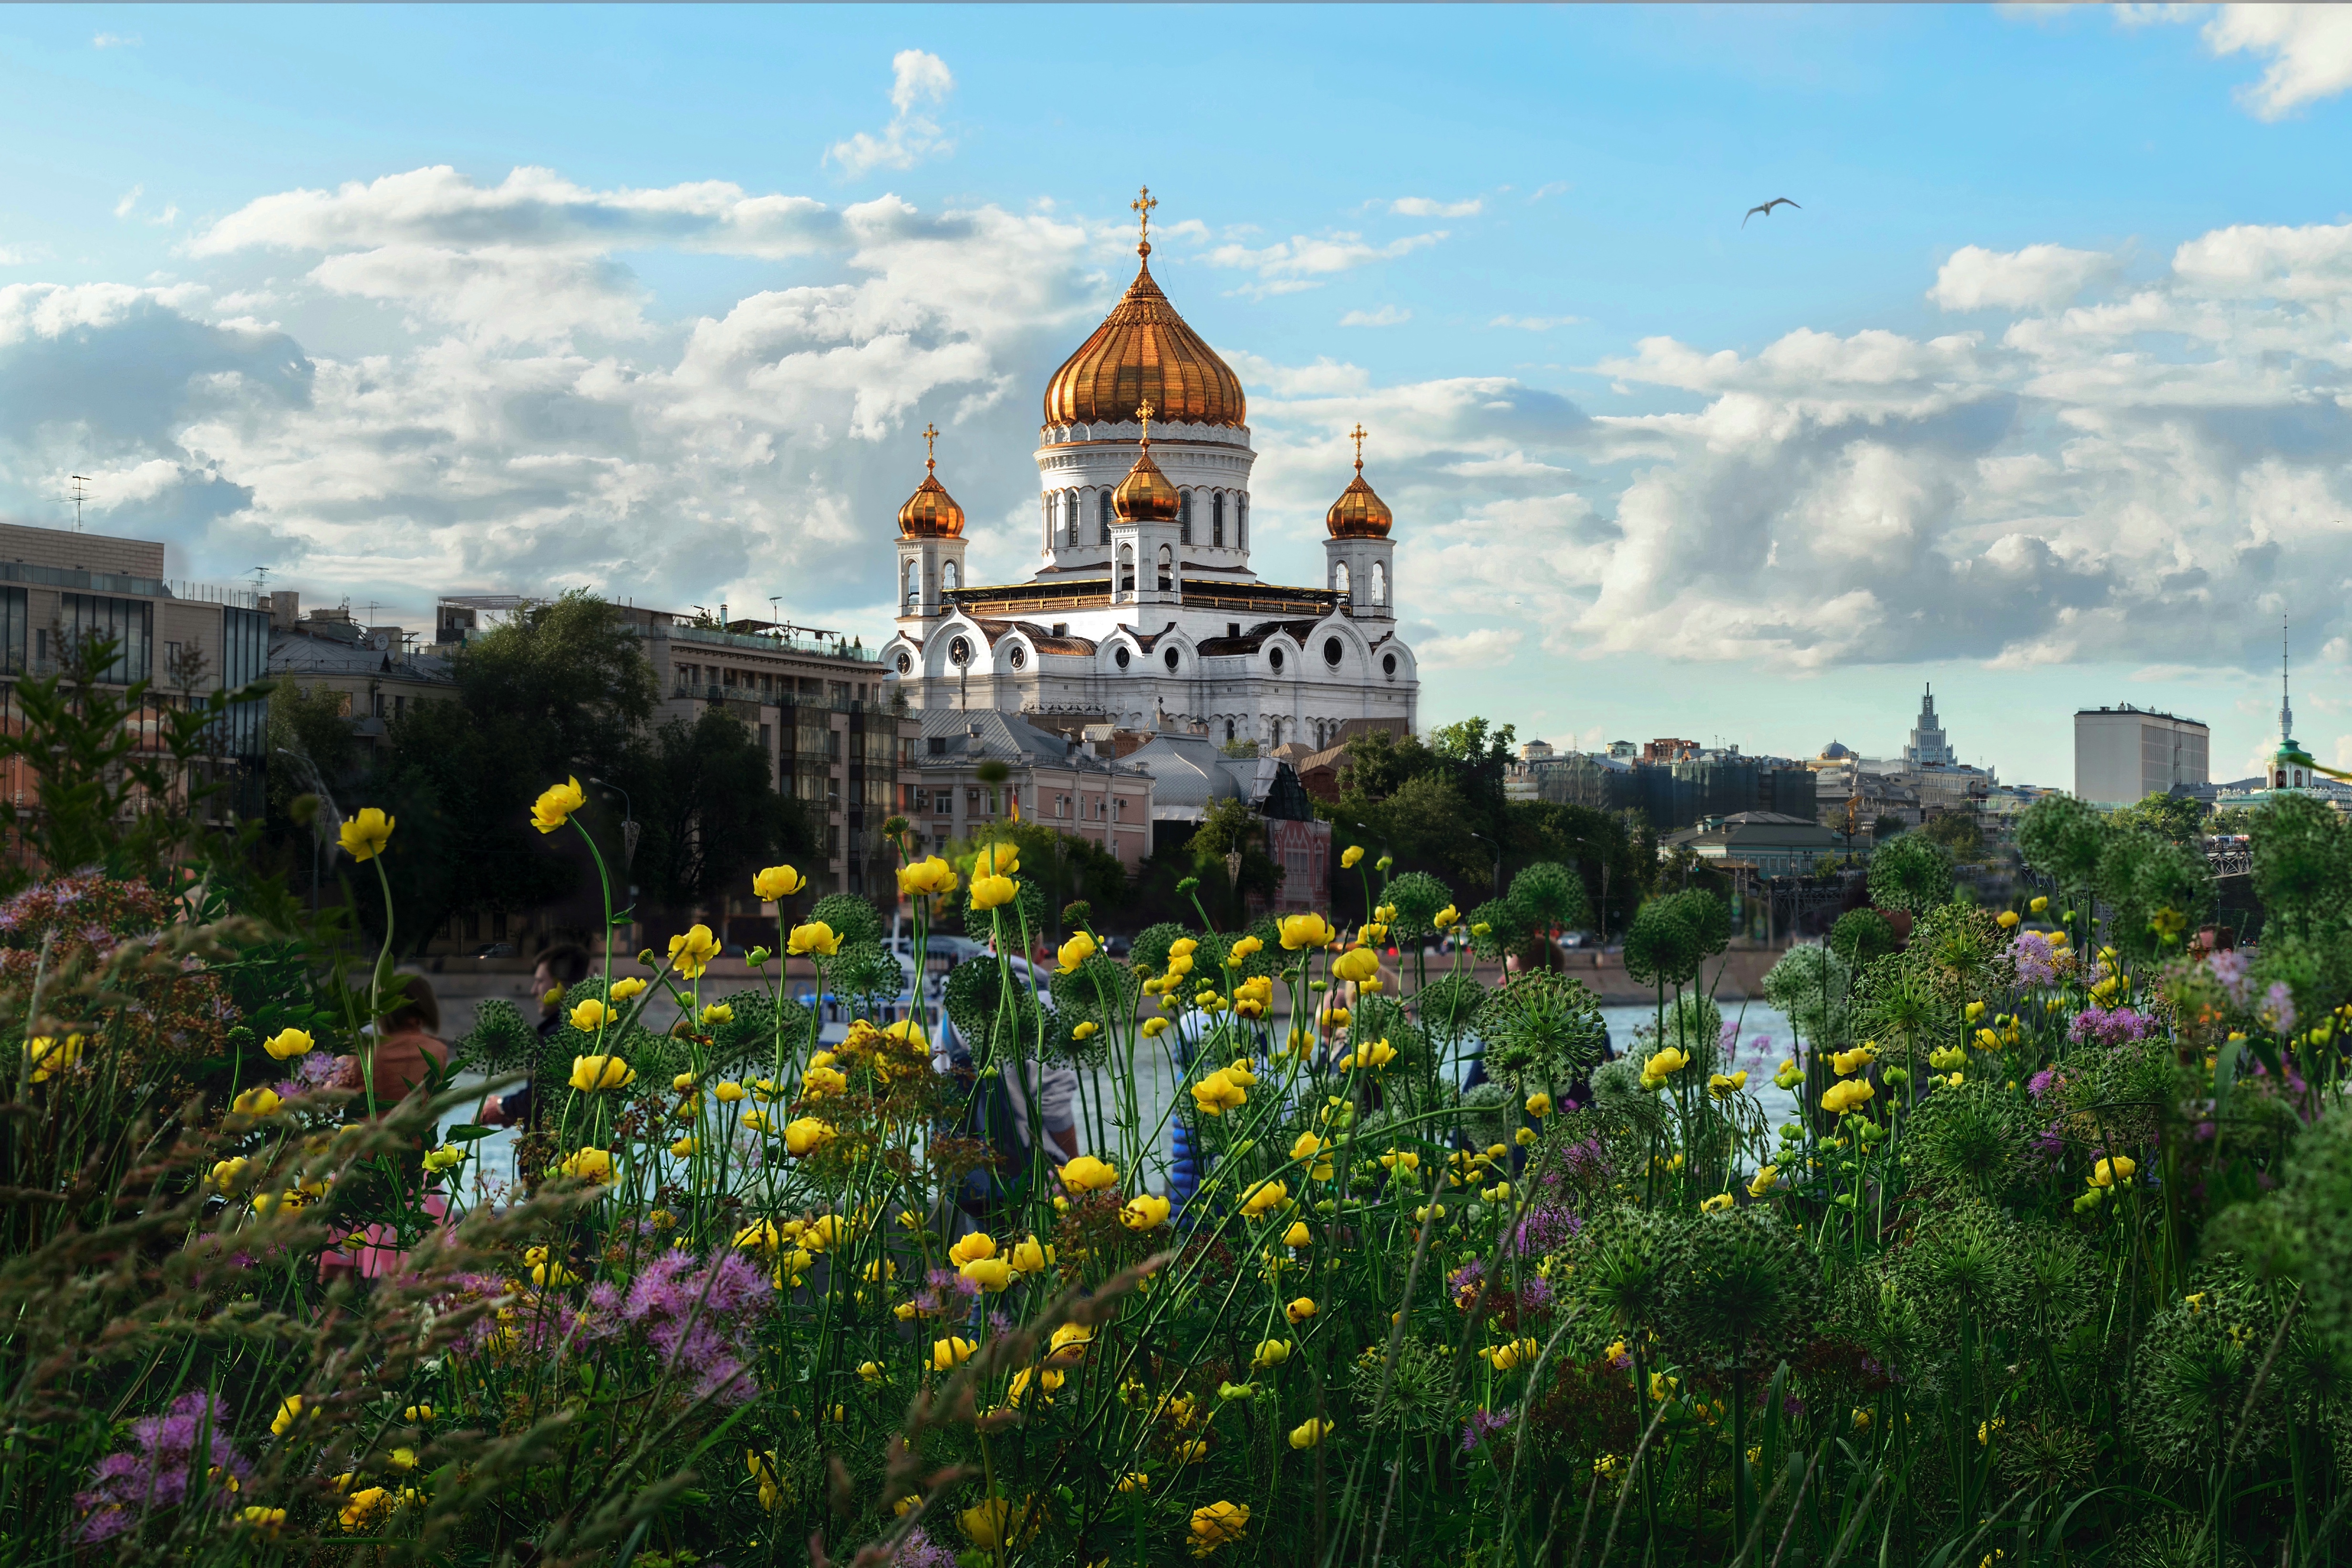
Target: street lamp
<point>1498,858</point>
<point>629,829</point>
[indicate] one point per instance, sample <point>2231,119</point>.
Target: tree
<point>1886,825</point>
<point>1065,867</point>
<point>712,813</point>
<point>1959,832</point>
<point>315,726</point>
<point>1229,825</point>
<point>2176,819</point>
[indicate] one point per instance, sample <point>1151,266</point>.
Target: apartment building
<point>379,672</point>
<point>1061,782</point>
<point>59,588</point>
<point>815,700</point>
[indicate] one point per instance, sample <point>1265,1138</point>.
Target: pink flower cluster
<point>172,1455</point>
<point>698,1315</point>
<point>2096,1025</point>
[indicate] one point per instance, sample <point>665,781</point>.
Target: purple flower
<point>2039,1086</point>
<point>2278,1008</point>
<point>1544,1227</point>
<point>2047,1143</point>
<point>1482,1424</point>
<point>2036,956</point>
<point>697,1316</point>
<point>2229,966</point>
<point>1464,1283</point>
<point>920,1551</point>
<point>2097,1025</point>
<point>182,1451</point>
<point>1535,1295</point>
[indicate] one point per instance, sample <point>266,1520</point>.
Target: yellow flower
<point>1662,1065</point>
<point>1145,1211</point>
<point>624,989</point>
<point>1372,1055</point>
<point>990,1274</point>
<point>770,1475</point>
<point>718,1013</point>
<point>1075,952</point>
<point>1405,1159</point>
<point>993,892</point>
<point>1356,966</point>
<point>1216,1524</point>
<point>1134,1481</point>
<point>1764,1181</point>
<point>1267,1195</point>
<point>757,1121</point>
<point>1372,934</point>
<point>1031,1256</point>
<point>806,1136</point>
<point>365,1507</point>
<point>816,937</point>
<point>1243,949</point>
<point>1350,856</point>
<point>2039,905</point>
<point>419,1415</point>
<point>727,1092</point>
<point>1068,1345</point>
<point>1088,1173</point>
<point>777,882</point>
<point>294,1407</point>
<point>2008,918</point>
<point>365,836</point>
<point>1217,1093</point>
<point>2114,1172</point>
<point>1299,1311</point>
<point>592,1075</point>
<point>1508,1357</point>
<point>1049,1380</point>
<point>1718,1204</point>
<point>1446,918</point>
<point>871,1371</point>
<point>590,1016</point>
<point>289,1043</point>
<point>228,1174</point>
<point>951,1352</point>
<point>1846,1095</point>
<point>256,1102</point>
<point>1153,1027</point>
<point>1298,1235</point>
<point>683,1148</point>
<point>268,1521</point>
<point>1306,931</point>
<point>1724,1085</point>
<point>819,1081</point>
<point>1310,1434</point>
<point>930,875</point>
<point>1309,1146</point>
<point>1849,1062</point>
<point>589,1165</point>
<point>996,860</point>
<point>1539,1106</point>
<point>693,951</point>
<point>555,805</point>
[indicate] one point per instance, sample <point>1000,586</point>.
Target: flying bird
<point>1767,209</point>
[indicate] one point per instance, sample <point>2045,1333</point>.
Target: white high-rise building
<point>1143,611</point>
<point>2122,755</point>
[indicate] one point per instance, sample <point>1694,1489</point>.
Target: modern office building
<point>2126,754</point>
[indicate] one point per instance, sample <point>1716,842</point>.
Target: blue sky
<point>2042,396</point>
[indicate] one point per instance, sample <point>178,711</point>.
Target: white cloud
<point>1288,265</point>
<point>2036,278</point>
<point>1426,207</point>
<point>130,200</point>
<point>2308,47</point>
<point>1535,323</point>
<point>1486,646</point>
<point>1386,316</point>
<point>115,41</point>
<point>916,79</point>
<point>1556,188</point>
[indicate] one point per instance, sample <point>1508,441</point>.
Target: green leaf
<point>466,1133</point>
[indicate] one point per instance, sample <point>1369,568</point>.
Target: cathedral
<point>1143,612</point>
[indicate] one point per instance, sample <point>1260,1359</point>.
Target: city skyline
<point>2043,432</point>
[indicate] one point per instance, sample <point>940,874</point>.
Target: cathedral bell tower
<point>1146,531</point>
<point>930,545</point>
<point>1359,558</point>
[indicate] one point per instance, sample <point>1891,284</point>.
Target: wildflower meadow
<point>2053,1265</point>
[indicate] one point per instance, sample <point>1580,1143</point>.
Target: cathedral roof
<point>1359,514</point>
<point>930,513</point>
<point>1143,352</point>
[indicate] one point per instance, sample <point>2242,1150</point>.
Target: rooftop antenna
<point>2286,711</point>
<point>78,493</point>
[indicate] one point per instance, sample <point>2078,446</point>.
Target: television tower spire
<point>2286,710</point>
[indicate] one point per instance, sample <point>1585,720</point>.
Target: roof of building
<point>981,734</point>
<point>296,651</point>
<point>1144,352</point>
<point>1191,773</point>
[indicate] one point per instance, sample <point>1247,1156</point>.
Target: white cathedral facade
<point>1143,611</point>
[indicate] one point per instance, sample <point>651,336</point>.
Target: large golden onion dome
<point>1359,514</point>
<point>1145,496</point>
<point>1143,352</point>
<point>930,513</point>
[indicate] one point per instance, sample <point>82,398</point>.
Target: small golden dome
<point>930,513</point>
<point>1145,496</point>
<point>1143,352</point>
<point>1359,514</point>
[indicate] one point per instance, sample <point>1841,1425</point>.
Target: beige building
<point>378,671</point>
<point>1070,785</point>
<point>59,587</point>
<point>815,699</point>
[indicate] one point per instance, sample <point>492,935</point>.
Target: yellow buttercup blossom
<point>1264,1196</point>
<point>1031,1256</point>
<point>1350,856</point>
<point>555,805</point>
<point>1153,1027</point>
<point>1299,1311</point>
<point>806,1136</point>
<point>589,1165</point>
<point>1849,1062</point>
<point>2008,919</point>
<point>624,989</point>
<point>717,1013</point>
<point>256,1102</point>
<point>776,882</point>
<point>1217,1524</point>
<point>1310,1433</point>
<point>993,892</point>
<point>1080,947</point>
<point>978,1244</point>
<point>1764,1181</point>
<point>1662,1064</point>
<point>228,1174</point>
<point>930,875</point>
<point>1718,1204</point>
<point>1846,1095</point>
<point>692,951</point>
<point>1539,1106</point>
<point>1446,918</point>
<point>1724,1085</point>
<point>996,860</point>
<point>1217,1093</point>
<point>363,836</point>
<point>1372,1055</point>
<point>1356,966</point>
<point>990,1274</point>
<point>951,1352</point>
<point>1306,931</point>
<point>1309,1146</point>
<point>593,1074</point>
<point>2114,1172</point>
<point>590,1016</point>
<point>2039,905</point>
<point>816,937</point>
<point>1270,1353</point>
<point>289,1043</point>
<point>1088,1173</point>
<point>1146,1211</point>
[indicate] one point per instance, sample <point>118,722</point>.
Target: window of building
<point>376,705</point>
<point>1241,522</point>
<point>938,747</point>
<point>128,623</point>
<point>1118,810</point>
<point>399,706</point>
<point>1184,516</point>
<point>763,738</point>
<point>833,840</point>
<point>1103,514</point>
<point>1217,520</point>
<point>1061,805</point>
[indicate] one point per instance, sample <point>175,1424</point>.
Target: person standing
<point>559,968</point>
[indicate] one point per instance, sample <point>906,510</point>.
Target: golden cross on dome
<point>1144,415</point>
<point>930,459</point>
<point>1141,207</point>
<point>1359,434</point>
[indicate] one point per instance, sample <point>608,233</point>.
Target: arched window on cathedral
<point>1167,568</point>
<point>1217,526</point>
<point>947,576</point>
<point>1229,732</point>
<point>1184,516</point>
<point>1241,522</point>
<point>1104,497</point>
<point>1127,568</point>
<point>914,582</point>
<point>1070,515</point>
<point>1380,583</point>
<point>1339,576</point>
